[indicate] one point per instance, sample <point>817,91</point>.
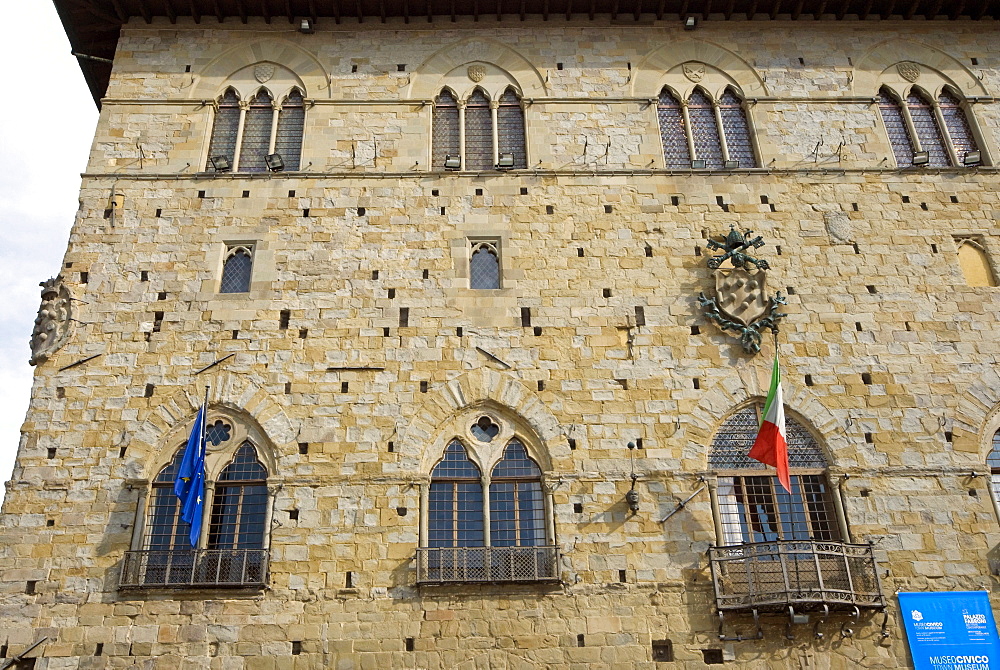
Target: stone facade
<point>889,357</point>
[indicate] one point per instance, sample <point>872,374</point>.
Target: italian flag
<point>771,445</point>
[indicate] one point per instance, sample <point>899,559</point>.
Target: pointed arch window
<point>237,269</point>
<point>232,550</point>
<point>503,538</point>
<point>484,264</point>
<point>993,461</point>
<point>753,505</point>
<point>455,513</point>
<point>517,510</point>
<point>938,127</point>
<point>704,133</point>
<point>245,133</point>
<point>975,262</point>
<point>480,134</point>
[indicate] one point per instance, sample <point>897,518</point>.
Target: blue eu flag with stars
<point>189,485</point>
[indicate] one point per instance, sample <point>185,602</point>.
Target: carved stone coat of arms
<point>741,303</point>
<point>52,325</point>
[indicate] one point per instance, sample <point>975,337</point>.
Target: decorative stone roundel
<point>484,429</point>
<point>908,70</point>
<point>477,72</point>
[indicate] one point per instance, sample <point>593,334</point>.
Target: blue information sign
<point>951,630</point>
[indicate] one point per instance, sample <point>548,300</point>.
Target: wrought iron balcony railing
<point>207,568</point>
<point>804,574</point>
<point>444,565</point>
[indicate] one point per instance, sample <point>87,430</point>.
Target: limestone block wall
<point>888,356</point>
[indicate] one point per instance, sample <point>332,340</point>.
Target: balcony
<point>207,568</point>
<point>487,565</point>
<point>806,575</point>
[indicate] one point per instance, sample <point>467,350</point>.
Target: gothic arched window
<point>237,269</point>
<point>505,537</point>
<point>455,513</point>
<point>754,507</point>
<point>704,133</point>
<point>938,127</point>
<point>479,134</point>
<point>993,461</point>
<point>484,265</point>
<point>231,547</point>
<point>517,511</point>
<point>267,129</point>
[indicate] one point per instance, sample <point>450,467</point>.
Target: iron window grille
<point>940,127</point>
<point>712,132</point>
<point>484,265</point>
<point>468,541</point>
<point>267,128</point>
<point>237,269</point>
<point>234,553</point>
<point>477,132</point>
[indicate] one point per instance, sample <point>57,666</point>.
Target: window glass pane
<point>927,129</point>
<point>676,154</point>
<point>515,463</point>
<point>957,124</point>
<point>510,128</point>
<point>256,133</point>
<point>226,123</point>
<point>899,136</point>
<point>517,510</point>
<point>240,503</point>
<point>704,129</point>
<point>291,121</point>
<point>236,272</point>
<point>478,133</point>
<point>758,509</point>
<point>455,464</point>
<point>445,130</point>
<point>484,267</point>
<point>737,130</point>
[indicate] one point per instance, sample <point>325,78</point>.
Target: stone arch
<point>665,64</point>
<point>745,387</point>
<point>167,425</point>
<point>442,416</point>
<point>303,65</point>
<point>977,417</point>
<point>500,62</point>
<point>870,72</point>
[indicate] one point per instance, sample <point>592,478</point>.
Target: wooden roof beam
<point>242,11</point>
<point>957,12</point>
<point>569,8</point>
<point>982,9</point>
<point>218,11</point>
<point>843,9</point>
<point>430,12</point>
<point>708,10</point>
<point>820,10</point>
<point>683,12</point>
<point>936,9</point>
<point>313,16</point>
<point>522,9</point>
<point>265,11</point>
<point>913,8</point>
<point>288,11</point>
<point>614,10</point>
<point>475,10</point>
<point>171,11</point>
<point>593,8</point>
<point>867,10</point>
<point>887,12</point>
<point>638,10</point>
<point>545,10</point>
<point>89,7</point>
<point>195,14</point>
<point>774,10</point>
<point>660,9</point>
<point>144,10</point>
<point>798,10</point>
<point>361,12</point>
<point>729,10</point>
<point>454,14</point>
<point>119,12</point>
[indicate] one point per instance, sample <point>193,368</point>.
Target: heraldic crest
<point>741,303</point>
<point>52,325</point>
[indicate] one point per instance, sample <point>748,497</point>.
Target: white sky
<point>46,127</point>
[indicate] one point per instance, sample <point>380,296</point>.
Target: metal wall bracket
<point>759,635</point>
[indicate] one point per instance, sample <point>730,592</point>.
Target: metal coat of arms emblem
<point>908,71</point>
<point>477,72</point>
<point>263,72</point>
<point>694,71</point>
<point>741,303</point>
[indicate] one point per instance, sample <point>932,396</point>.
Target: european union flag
<point>189,485</point>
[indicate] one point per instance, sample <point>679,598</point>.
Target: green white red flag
<point>771,445</point>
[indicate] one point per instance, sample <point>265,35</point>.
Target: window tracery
<point>245,132</point>
<point>920,123</point>
<point>478,133</point>
<point>703,132</point>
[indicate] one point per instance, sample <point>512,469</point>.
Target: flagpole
<point>207,507</point>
